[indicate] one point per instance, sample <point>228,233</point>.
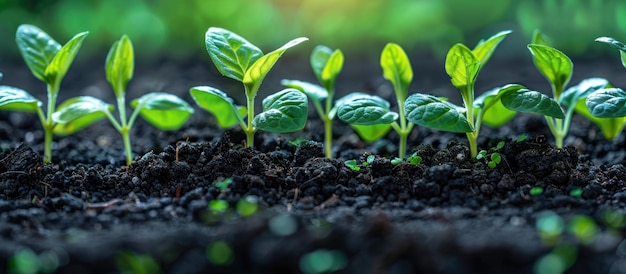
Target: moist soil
<point>87,212</point>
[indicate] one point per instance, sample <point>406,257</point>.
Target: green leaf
<point>79,112</point>
<point>231,53</point>
<point>163,110</point>
<point>462,67</point>
<point>397,69</point>
<point>56,70</point>
<point>366,110</point>
<point>610,127</point>
<point>525,100</point>
<point>554,65</point>
<point>284,111</point>
<point>319,58</point>
<point>313,91</point>
<point>484,49</point>
<point>16,99</point>
<point>495,114</point>
<point>259,69</point>
<point>37,49</point>
<point>433,112</point>
<point>617,44</point>
<point>540,39</point>
<point>607,103</point>
<point>120,63</point>
<point>219,104</point>
<point>326,65</point>
<point>572,95</point>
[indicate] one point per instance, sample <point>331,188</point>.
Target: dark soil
<point>87,213</point>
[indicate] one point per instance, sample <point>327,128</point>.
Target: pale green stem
<point>328,124</point>
<point>249,129</point>
<point>471,138</point>
<point>48,125</point>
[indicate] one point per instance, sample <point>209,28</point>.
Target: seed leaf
<point>525,100</point>
<point>313,91</point>
<point>366,110</point>
<point>572,95</point>
<point>16,99</point>
<point>495,113</point>
<point>462,67</point>
<point>319,58</point>
<point>607,103</point>
<point>554,65</point>
<point>285,111</point>
<point>219,104</point>
<point>617,44</point>
<point>163,110</point>
<point>231,53</point>
<point>397,69</point>
<point>433,112</point>
<point>120,64</point>
<point>326,64</point>
<point>484,49</point>
<point>56,70</point>
<point>37,49</point>
<point>79,112</point>
<point>371,133</point>
<point>610,127</point>
<point>259,69</point>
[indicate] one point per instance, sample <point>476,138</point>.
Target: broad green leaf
<point>366,110</point>
<point>231,53</point>
<point>525,100</point>
<point>326,65</point>
<point>617,44</point>
<point>349,97</point>
<point>610,127</point>
<point>433,112</point>
<point>571,96</point>
<point>56,70</point>
<point>16,99</point>
<point>120,63</point>
<point>607,103</point>
<point>540,39</point>
<point>37,49</point>
<point>371,133</point>
<point>484,49</point>
<point>554,65</point>
<point>397,69</point>
<point>495,114</point>
<point>462,66</point>
<point>313,91</point>
<point>163,110</point>
<point>285,111</point>
<point>219,104</point>
<point>319,58</point>
<point>79,112</point>
<point>259,69</point>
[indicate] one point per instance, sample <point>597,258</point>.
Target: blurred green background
<point>175,29</point>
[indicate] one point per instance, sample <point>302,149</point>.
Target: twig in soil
<point>327,202</point>
<point>296,191</point>
<point>103,205</point>
<point>177,145</point>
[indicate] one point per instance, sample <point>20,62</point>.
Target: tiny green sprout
<point>557,68</point>
<point>499,146</point>
<point>218,206</point>
<point>396,161</point>
<point>521,138</point>
<point>495,160</point>
<point>49,62</point>
<point>463,65</point>
<point>352,165</point>
<point>163,110</point>
<point>414,159</point>
<point>130,262</point>
<point>576,192</point>
<point>370,159</point>
<point>224,183</point>
<point>536,190</point>
<point>236,58</point>
<point>605,107</point>
<point>481,154</point>
<point>326,64</point>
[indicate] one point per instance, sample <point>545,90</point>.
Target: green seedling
<point>162,110</point>
<point>536,190</point>
<point>494,158</point>
<point>352,165</point>
<point>49,62</point>
<point>557,68</point>
<point>363,110</point>
<point>236,58</point>
<point>369,160</point>
<point>606,106</point>
<point>576,192</point>
<point>463,66</point>
<point>326,64</point>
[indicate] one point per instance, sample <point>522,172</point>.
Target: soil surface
<point>196,201</point>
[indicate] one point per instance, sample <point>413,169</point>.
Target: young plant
<point>162,110</point>
<point>326,64</point>
<point>463,66</point>
<point>236,58</point>
<point>607,105</point>
<point>373,110</point>
<point>49,62</point>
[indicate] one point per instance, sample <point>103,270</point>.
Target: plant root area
<point>197,201</point>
